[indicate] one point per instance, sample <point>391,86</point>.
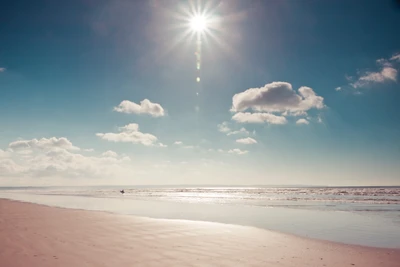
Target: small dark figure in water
<point>122,191</point>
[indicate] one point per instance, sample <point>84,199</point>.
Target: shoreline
<point>339,227</point>
<point>221,224</point>
<point>39,235</point>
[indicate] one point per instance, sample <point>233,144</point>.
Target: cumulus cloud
<point>61,162</point>
<point>246,117</point>
<point>240,131</point>
<point>338,88</point>
<point>27,151</point>
<point>246,141</point>
<point>2,69</point>
<point>277,97</point>
<point>387,74</point>
<point>223,127</point>
<point>110,153</point>
<point>178,143</point>
<point>237,151</point>
<point>129,134</point>
<point>9,168</point>
<point>43,143</point>
<point>3,154</point>
<point>145,107</point>
<point>55,159</point>
<point>302,121</point>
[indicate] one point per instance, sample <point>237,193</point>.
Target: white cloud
<point>294,113</point>
<point>180,143</point>
<point>240,131</point>
<point>54,159</point>
<point>2,69</point>
<point>246,141</point>
<point>387,74</point>
<point>246,117</point>
<point>60,162</point>
<point>302,121</point>
<point>383,62</point>
<point>319,119</point>
<point>110,153</point>
<point>125,158</point>
<point>338,88</point>
<point>58,166</point>
<point>89,150</point>
<point>223,127</point>
<point>237,151</point>
<point>131,127</point>
<point>145,107</point>
<point>130,134</point>
<point>27,151</point>
<point>162,145</point>
<point>43,143</point>
<point>4,154</point>
<point>395,57</point>
<point>277,97</point>
<point>9,168</point>
<point>273,103</point>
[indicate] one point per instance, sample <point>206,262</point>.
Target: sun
<point>198,23</point>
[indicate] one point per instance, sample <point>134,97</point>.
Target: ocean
<point>368,216</point>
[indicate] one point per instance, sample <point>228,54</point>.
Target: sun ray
<point>203,26</point>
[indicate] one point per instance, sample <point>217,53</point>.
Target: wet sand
<point>36,235</point>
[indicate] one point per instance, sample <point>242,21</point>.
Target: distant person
<point>122,191</point>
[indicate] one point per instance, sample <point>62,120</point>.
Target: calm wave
<point>336,198</point>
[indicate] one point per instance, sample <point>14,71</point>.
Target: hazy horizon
<point>123,186</point>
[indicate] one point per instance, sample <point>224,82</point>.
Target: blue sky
<point>323,110</point>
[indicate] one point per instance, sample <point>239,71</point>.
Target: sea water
<point>367,216</point>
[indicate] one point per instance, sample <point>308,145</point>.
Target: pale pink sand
<point>34,235</point>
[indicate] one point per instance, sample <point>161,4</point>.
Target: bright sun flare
<point>198,23</point>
